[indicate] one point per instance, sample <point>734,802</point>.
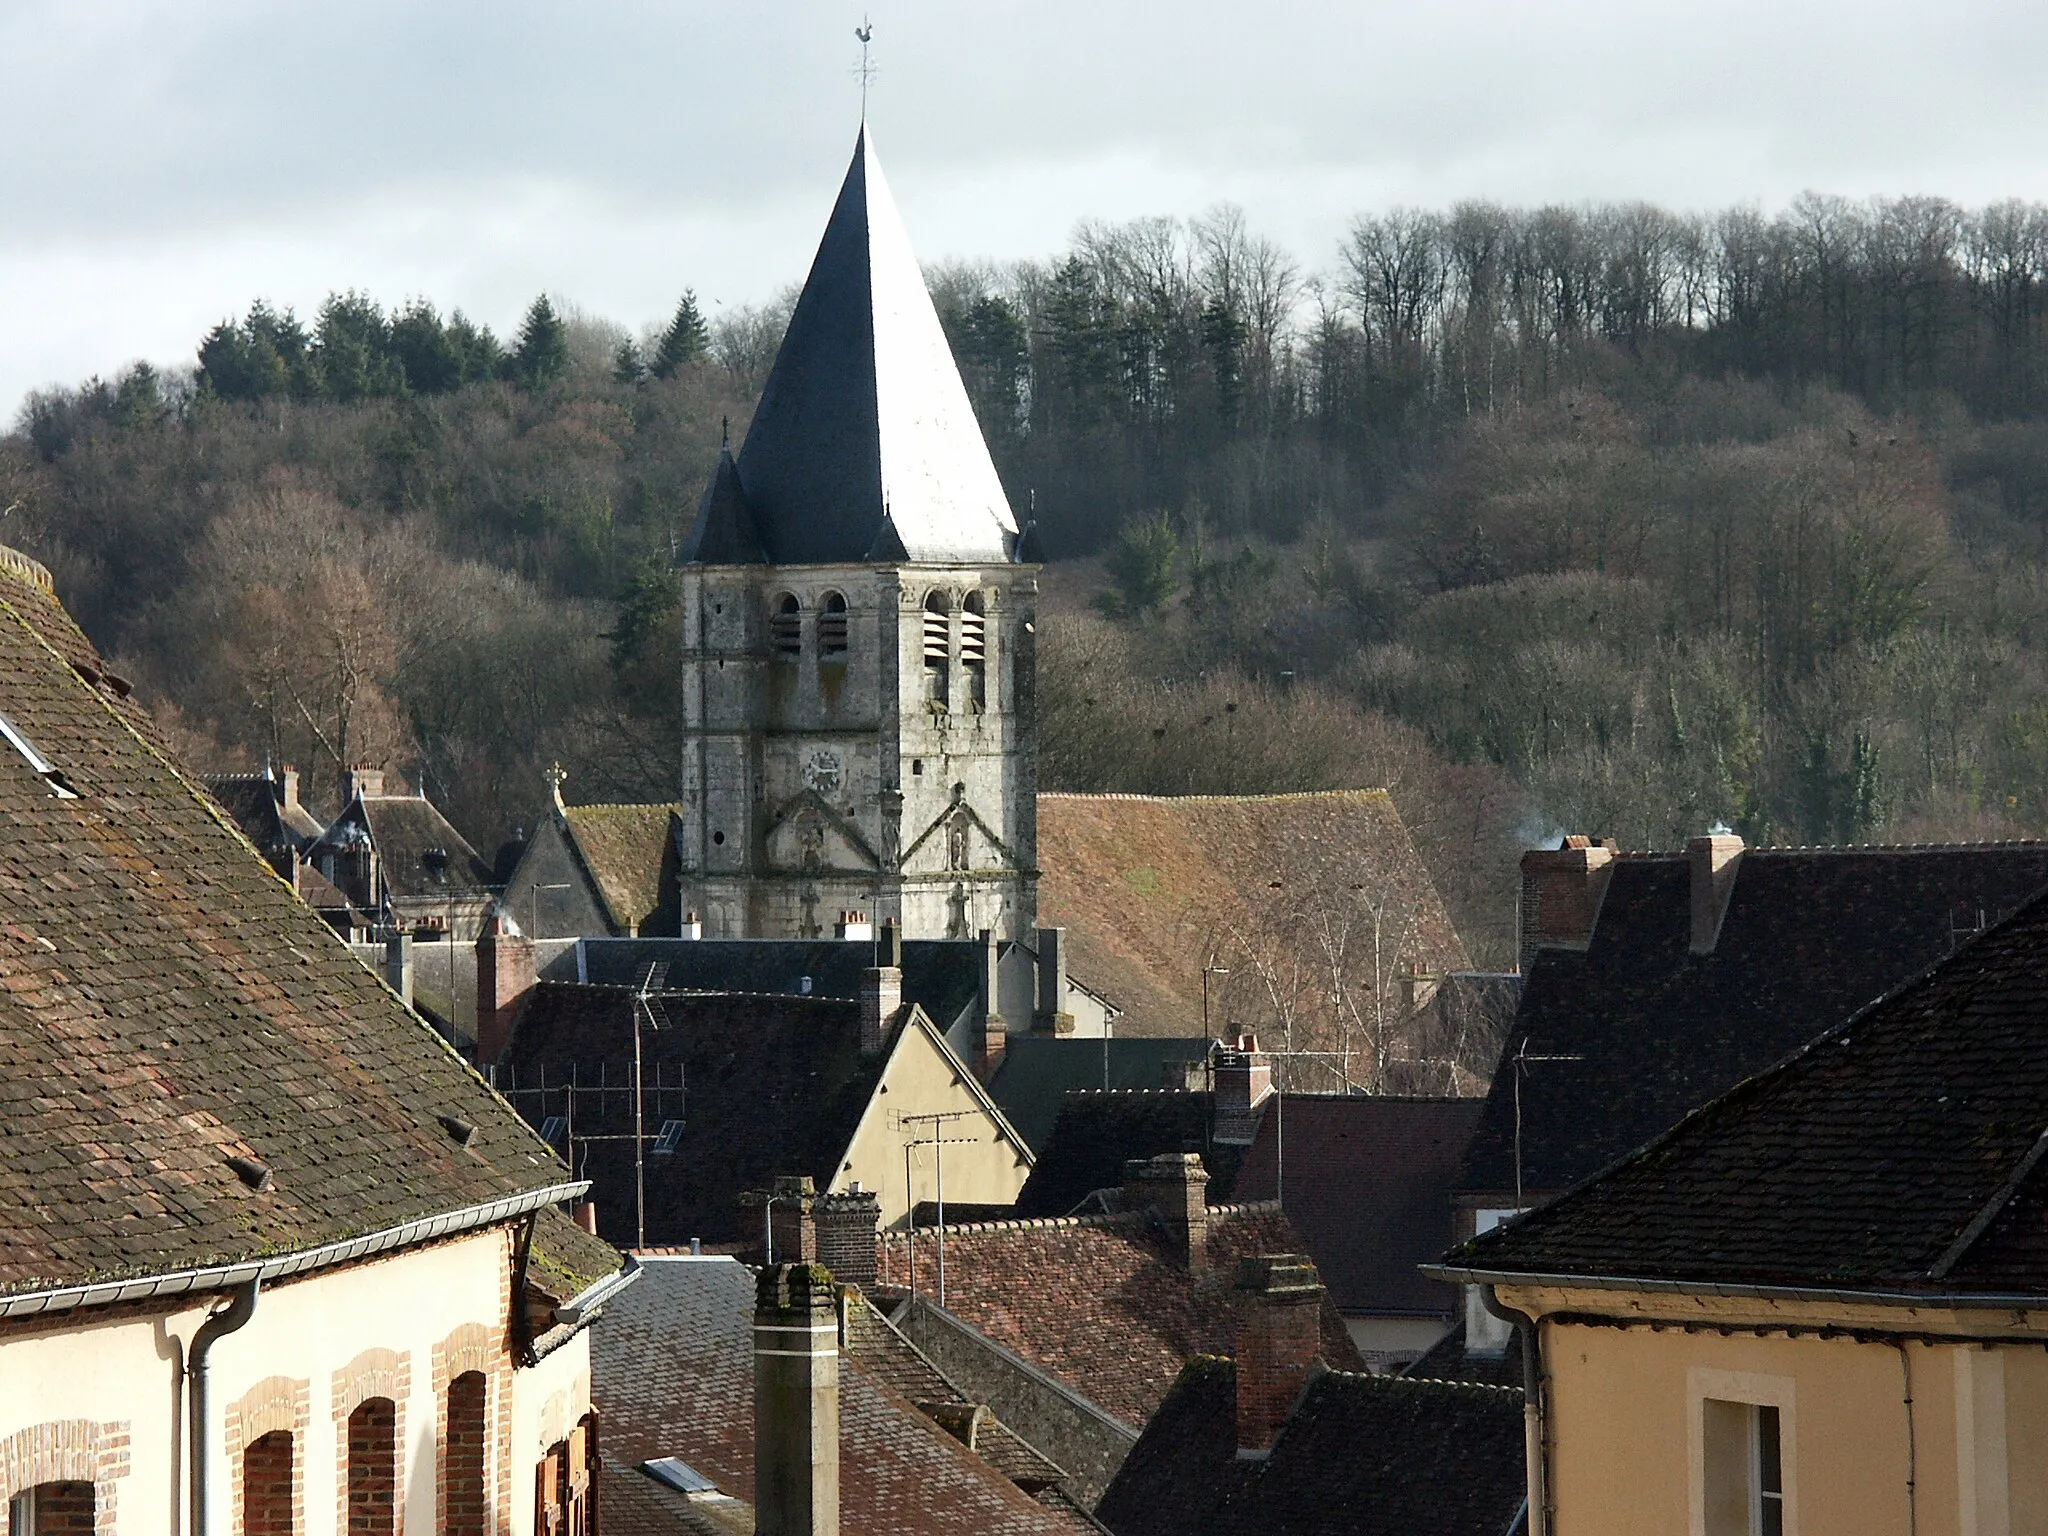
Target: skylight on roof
<point>44,769</point>
<point>682,1477</point>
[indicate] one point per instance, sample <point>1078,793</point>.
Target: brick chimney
<point>1279,1334</point>
<point>1713,859</point>
<point>854,925</point>
<point>1244,1081</point>
<point>994,1038</point>
<point>846,1224</point>
<point>1561,891</point>
<point>1054,1016</point>
<point>288,788</point>
<point>784,1214</point>
<point>362,782</point>
<point>881,1006</point>
<point>505,973</point>
<point>796,1402</point>
<point>1174,1185</point>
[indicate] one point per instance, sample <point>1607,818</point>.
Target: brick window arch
<point>465,1500</point>
<point>372,1469</point>
<point>270,1474</point>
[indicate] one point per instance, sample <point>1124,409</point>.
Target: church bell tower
<point>858,602</point>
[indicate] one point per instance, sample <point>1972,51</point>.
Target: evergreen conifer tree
<point>626,365</point>
<point>542,355</point>
<point>686,340</point>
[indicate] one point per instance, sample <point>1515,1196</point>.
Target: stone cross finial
<point>556,777</point>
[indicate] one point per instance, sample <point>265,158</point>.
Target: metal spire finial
<point>866,70</point>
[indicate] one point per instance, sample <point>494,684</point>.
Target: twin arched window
<point>786,628</point>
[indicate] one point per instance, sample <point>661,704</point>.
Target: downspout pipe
<point>1537,1434</point>
<point>227,1320</point>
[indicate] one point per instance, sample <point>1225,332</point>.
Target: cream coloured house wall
<point>984,1161</point>
<point>1626,1424</point>
<point>316,1347</point>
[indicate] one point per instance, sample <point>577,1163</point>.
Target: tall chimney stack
<point>1713,859</point>
<point>1244,1081</point>
<point>881,1006</point>
<point>995,1035</point>
<point>364,782</point>
<point>1279,1334</point>
<point>1561,891</point>
<point>1054,1016</point>
<point>1174,1185</point>
<point>796,1402</point>
<point>506,971</point>
<point>398,966</point>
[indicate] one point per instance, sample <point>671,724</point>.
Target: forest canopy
<point>1607,519</point>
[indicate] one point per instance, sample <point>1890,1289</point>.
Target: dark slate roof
<point>256,802</point>
<point>1096,1133</point>
<point>1810,936</point>
<point>1037,1072</point>
<point>672,1375</point>
<point>1901,1152</point>
<point>864,446</point>
<point>1369,1190</point>
<point>1360,1455</point>
<point>165,1004</point>
<point>410,834</point>
<point>1449,1360</point>
<point>764,1086</point>
<point>1100,1302</point>
<point>942,976</point>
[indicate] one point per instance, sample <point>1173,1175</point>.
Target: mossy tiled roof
<point>166,1004</point>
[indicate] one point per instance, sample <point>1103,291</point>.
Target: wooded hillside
<point>1605,518</point>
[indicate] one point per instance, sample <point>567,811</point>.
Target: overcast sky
<point>163,164</point>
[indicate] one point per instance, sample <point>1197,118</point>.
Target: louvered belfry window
<point>832,627</point>
<point>974,650</point>
<point>786,629</point>
<point>938,636</point>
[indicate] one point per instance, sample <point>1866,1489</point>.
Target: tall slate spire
<point>864,446</point>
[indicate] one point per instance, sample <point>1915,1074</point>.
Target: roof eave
<point>1457,1274</point>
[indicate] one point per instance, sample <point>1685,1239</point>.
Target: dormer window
<point>786,629</point>
<point>938,647</point>
<point>832,637</point>
<point>42,766</point>
<point>974,650</point>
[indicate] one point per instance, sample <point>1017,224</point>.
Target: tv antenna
<point>1523,1061</point>
<point>935,1137</point>
<point>647,1005</point>
<point>866,70</point>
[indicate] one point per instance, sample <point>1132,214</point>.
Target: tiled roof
<point>1649,1031</point>
<point>1369,1190</point>
<point>166,1005</point>
<point>764,1086</point>
<point>631,1503</point>
<point>319,892</point>
<point>672,1375</point>
<point>1097,1133</point>
<point>1901,1151</point>
<point>565,1261</point>
<point>1360,1456</point>
<point>409,834</point>
<point>1152,889</point>
<point>942,976</point>
<point>1100,1302</point>
<point>626,848</point>
<point>1037,1072</point>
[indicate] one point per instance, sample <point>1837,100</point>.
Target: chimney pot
<point>1279,1335</point>
<point>796,1402</point>
<point>1713,859</point>
<point>693,925</point>
<point>585,1214</point>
